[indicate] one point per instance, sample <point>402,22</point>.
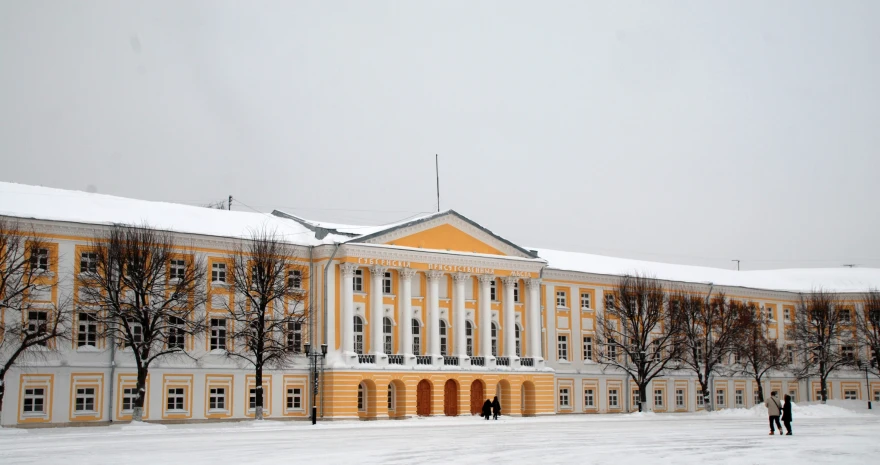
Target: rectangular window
<point>562,344</point>
<point>40,260</point>
<point>719,397</point>
<point>635,398</point>
<point>85,400</point>
<point>786,314</point>
<point>589,400</point>
<point>176,399</point>
<point>848,353</point>
<point>218,334</point>
<point>38,324</point>
<point>493,290</point>
<point>129,399</point>
<point>88,262</point>
<point>176,333</point>
<point>561,300</point>
<point>87,330</point>
<point>137,334</point>
<point>658,397</point>
<point>294,337</point>
<point>793,395</point>
<point>386,283</point>
<point>612,398</point>
<point>588,348</point>
<point>790,350</point>
<point>679,398</point>
<point>612,349</point>
<point>516,291</point>
<point>563,398</point>
<point>701,401</point>
<point>34,400</point>
<point>850,394</point>
<point>252,398</point>
<point>876,396</point>
<point>585,301</point>
<point>294,279</point>
<point>294,399</point>
<point>358,281</point>
<point>217,399</point>
<point>218,273</point>
<point>739,398</point>
<point>178,269</point>
<point>756,400</point>
<point>845,315</point>
<point>609,301</point>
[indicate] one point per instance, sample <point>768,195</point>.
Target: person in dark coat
<point>487,409</point>
<point>786,414</point>
<point>496,407</point>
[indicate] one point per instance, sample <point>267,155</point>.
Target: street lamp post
<point>313,358</point>
<point>867,384</point>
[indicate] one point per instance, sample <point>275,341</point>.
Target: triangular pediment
<point>446,231</point>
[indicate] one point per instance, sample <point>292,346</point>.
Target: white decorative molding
<point>461,277</point>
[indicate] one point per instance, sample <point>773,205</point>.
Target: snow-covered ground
<point>822,434</point>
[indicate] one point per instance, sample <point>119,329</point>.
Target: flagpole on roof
<point>437,171</point>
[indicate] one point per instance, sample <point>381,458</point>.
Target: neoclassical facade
<point>427,317</point>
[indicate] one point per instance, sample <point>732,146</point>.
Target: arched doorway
<point>502,390</point>
<point>478,395</point>
<point>423,398</point>
<point>397,399</point>
<point>528,399</point>
<point>450,398</point>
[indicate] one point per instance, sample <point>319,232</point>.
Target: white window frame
<point>720,398</point>
<point>40,260</point>
<point>589,398</point>
<point>494,335</point>
<point>129,396</point>
<point>362,398</point>
<point>178,394</point>
<point>87,329</point>
<point>294,279</point>
<point>739,397</point>
<point>587,347</point>
<point>679,398</point>
<point>295,336</point>
<point>218,335</point>
<point>658,397</point>
<point>613,398</point>
<point>564,398</point>
<point>516,291</point>
<point>416,337</point>
<point>469,338</point>
<point>38,323</point>
<point>493,290</point>
<point>586,301</point>
<point>294,397</point>
<point>850,394</point>
<point>386,283</point>
<point>392,397</point>
<point>176,337</point>
<point>218,272</point>
<point>357,282</point>
<point>635,397</point>
<point>387,335</point>
<point>33,398</point>
<point>444,339</point>
<point>252,398</point>
<point>88,262</point>
<point>358,327</point>
<point>562,347</point>
<point>177,268</point>
<point>518,343</point>
<point>561,299</point>
<point>216,399</point>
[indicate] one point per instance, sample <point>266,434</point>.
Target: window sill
<point>587,309</point>
<point>216,411</point>
<point>563,361</point>
<point>88,348</point>
<point>564,309</point>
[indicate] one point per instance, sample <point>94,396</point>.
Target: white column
<point>534,318</point>
<point>458,336</point>
<point>434,312</point>
<point>377,310</point>
<point>509,318</point>
<point>347,270</point>
<point>405,323</point>
<point>485,317</point>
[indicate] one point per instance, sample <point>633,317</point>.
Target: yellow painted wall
<point>446,237</point>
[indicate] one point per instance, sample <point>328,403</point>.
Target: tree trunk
<point>760,390</point>
<point>2,391</point>
<point>642,396</point>
<point>823,383</point>
<point>258,411</point>
<point>704,391</point>
<point>138,411</point>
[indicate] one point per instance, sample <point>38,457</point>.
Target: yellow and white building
<point>426,317</point>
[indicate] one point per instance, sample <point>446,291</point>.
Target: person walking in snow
<point>773,409</point>
<point>786,415</point>
<point>487,409</point>
<point>496,408</point>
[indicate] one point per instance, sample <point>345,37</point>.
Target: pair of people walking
<point>774,408</point>
<point>491,408</point>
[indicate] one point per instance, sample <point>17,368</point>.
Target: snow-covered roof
<point>795,280</point>
<point>44,203</point>
<point>352,229</point>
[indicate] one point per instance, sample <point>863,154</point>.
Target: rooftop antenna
<point>437,172</point>
<point>737,264</point>
<point>229,205</point>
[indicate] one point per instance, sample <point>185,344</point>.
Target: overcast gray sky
<point>691,132</point>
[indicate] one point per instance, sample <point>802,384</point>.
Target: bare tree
<point>218,205</point>
<point>868,326</point>
<point>636,333</point>
<point>142,288</point>
<point>710,327</point>
<point>268,310</point>
<point>32,321</point>
<point>756,352</point>
<point>823,337</point>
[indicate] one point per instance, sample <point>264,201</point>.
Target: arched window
<point>518,341</point>
<point>362,398</point>
<point>469,334</point>
<point>391,397</point>
<point>416,337</point>
<point>358,335</point>
<point>386,329</point>
<point>494,339</point>
<point>442,337</point>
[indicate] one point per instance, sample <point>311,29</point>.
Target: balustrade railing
<point>450,360</point>
<point>502,361</point>
<point>527,362</point>
<point>478,361</point>
<point>423,360</point>
<point>366,358</point>
<point>395,359</point>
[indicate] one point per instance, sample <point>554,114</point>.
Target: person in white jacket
<point>773,409</point>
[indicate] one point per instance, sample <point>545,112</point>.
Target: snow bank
<point>140,426</point>
<point>11,431</point>
<point>803,410</point>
